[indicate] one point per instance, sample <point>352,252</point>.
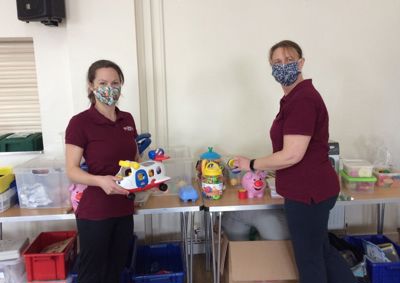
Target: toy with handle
<point>142,176</point>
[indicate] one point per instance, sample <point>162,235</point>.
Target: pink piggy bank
<point>254,183</point>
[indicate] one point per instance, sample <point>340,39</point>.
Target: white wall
<point>220,91</point>
<point>94,29</point>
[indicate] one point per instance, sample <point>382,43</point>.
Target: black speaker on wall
<point>48,12</point>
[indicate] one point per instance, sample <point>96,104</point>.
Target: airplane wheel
<point>131,196</point>
<point>163,187</point>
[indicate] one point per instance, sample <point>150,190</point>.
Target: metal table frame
<point>230,202</point>
<point>155,205</point>
<point>172,204</point>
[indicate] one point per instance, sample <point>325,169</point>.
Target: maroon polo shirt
<point>303,112</point>
<point>104,144</point>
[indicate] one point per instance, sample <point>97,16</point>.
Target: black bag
<point>346,249</point>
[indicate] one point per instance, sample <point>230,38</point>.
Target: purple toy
<point>254,183</point>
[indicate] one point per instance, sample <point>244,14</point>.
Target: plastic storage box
<point>178,152</point>
<point>357,167</point>
<point>22,142</point>
<point>8,199</point>
<point>364,184</point>
<point>52,265</point>
<point>158,264</point>
<point>180,170</point>
<point>387,177</point>
<point>386,272</point>
<point>6,178</point>
<point>42,182</point>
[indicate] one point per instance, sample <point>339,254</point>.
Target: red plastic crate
<point>50,266</point>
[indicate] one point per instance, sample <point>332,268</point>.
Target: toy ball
<point>157,152</point>
<point>181,183</point>
<point>234,182</point>
<point>152,154</point>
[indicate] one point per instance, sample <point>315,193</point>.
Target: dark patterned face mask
<point>107,94</point>
<point>285,74</point>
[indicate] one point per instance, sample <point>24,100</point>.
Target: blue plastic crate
<point>387,272</point>
<point>160,263</point>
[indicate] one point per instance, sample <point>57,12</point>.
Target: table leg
<point>191,231</point>
<point>185,244</point>
<point>381,217</point>
<point>216,255</point>
<point>213,260</point>
<point>148,228</point>
<point>219,247</point>
<point>207,240</point>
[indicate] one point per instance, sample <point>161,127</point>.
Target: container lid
<point>357,179</point>
<point>210,154</point>
<point>386,171</point>
<point>45,163</point>
<point>357,163</point>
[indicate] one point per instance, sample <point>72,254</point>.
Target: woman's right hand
<point>109,185</point>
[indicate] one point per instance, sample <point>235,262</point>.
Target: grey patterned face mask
<point>285,74</point>
<point>108,94</point>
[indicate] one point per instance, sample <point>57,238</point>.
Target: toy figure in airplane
<point>254,183</point>
<point>138,177</point>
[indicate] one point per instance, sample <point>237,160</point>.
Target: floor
<point>200,275</point>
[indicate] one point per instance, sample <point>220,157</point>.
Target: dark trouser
<point>104,248</point>
<point>317,261</point>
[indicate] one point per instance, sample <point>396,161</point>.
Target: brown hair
<point>286,44</point>
<point>91,75</point>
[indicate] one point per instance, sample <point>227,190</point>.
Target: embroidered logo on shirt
<point>128,128</point>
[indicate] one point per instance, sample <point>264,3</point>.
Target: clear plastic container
<point>387,177</point>
<point>12,271</point>
<point>178,152</point>
<point>42,183</point>
<point>212,180</point>
<point>357,167</point>
<point>181,172</point>
<point>8,199</point>
<point>360,184</point>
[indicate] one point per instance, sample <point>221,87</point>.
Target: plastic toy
<point>188,193</point>
<point>143,141</point>
<point>234,173</point>
<point>137,177</point>
<point>209,155</point>
<point>211,179</point>
<point>254,183</point>
<point>242,194</point>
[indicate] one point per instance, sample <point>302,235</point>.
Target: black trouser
<point>317,261</point>
<point>104,248</point>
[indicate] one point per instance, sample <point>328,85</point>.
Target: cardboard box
<point>258,261</point>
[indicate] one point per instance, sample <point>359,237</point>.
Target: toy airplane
<point>138,177</point>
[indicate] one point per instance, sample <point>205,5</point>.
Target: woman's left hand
<point>242,163</point>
